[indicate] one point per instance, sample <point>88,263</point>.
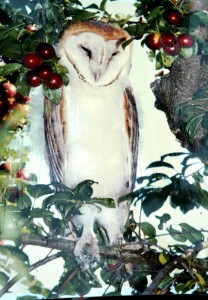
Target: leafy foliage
<point>47,212</point>
<point>194,116</point>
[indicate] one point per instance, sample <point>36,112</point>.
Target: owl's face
<point>96,60</point>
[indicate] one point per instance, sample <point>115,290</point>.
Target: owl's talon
<point>87,251</point>
<point>118,241</point>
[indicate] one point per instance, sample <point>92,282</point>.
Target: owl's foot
<point>118,240</point>
<point>87,251</point>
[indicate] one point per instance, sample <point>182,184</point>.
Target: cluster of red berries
<point>21,173</point>
<point>9,99</point>
<point>170,42</point>
<point>39,71</point>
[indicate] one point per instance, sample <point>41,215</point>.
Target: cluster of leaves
<point>19,216</point>
<point>154,21</point>
<point>183,194</point>
<point>194,115</point>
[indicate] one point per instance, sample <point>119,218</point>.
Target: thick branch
<point>130,252</point>
<point>186,77</point>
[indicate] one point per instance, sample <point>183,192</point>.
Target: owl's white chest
<point>97,142</point>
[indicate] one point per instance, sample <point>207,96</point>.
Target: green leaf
<point>139,282</point>
<point>81,285</point>
<point>92,6</point>
<point>148,229</point>
<point>164,219</point>
<point>84,190</point>
<point>126,43</point>
<point>154,200</point>
<point>39,190</point>
<point>108,202</point>
<point>204,122</point>
<point>184,194</point>
<point>24,202</point>
<point>22,86</point>
<point>166,282</point>
<point>83,15</point>
<point>205,48</point>
<point>9,69</point>
<point>157,11</point>
<point>167,59</point>
<point>3,279</point>
<point>103,5</point>
<point>193,125</point>
<point>13,52</point>
<point>152,178</point>
<point>203,194</point>
<point>201,94</point>
<point>192,234</point>
<point>157,164</point>
<point>60,198</point>
<point>203,17</point>
<point>173,154</point>
<point>177,235</point>
<point>54,96</point>
<point>158,61</point>
<point>129,197</point>
<point>40,213</point>
<point>16,259</point>
<point>187,52</point>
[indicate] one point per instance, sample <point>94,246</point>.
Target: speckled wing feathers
<point>132,127</point>
<point>55,142</point>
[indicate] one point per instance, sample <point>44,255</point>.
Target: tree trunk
<point>186,77</point>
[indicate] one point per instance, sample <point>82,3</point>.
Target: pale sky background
<point>155,140</point>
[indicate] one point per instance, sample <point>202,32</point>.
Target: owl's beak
<point>97,75</point>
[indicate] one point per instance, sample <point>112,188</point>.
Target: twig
<point>64,284</point>
<point>172,265</point>
<point>18,277</point>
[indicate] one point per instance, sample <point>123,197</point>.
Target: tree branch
<point>172,265</point>
<point>18,277</point>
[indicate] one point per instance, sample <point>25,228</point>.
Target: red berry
<point>5,166</point>
<point>10,89</point>
<point>54,82</point>
<point>152,41</point>
<point>186,40</point>
<point>22,99</point>
<point>32,79</point>
<point>31,27</point>
<point>173,17</point>
<point>23,174</point>
<point>25,99</point>
<point>2,104</point>
<point>31,60</point>
<point>44,72</point>
<point>168,39</point>
<point>45,51</point>
<point>173,50</point>
<point>112,267</point>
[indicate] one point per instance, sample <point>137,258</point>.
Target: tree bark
<point>129,253</point>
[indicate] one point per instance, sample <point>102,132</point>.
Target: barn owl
<point>93,133</point>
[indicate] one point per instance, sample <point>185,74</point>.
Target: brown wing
<point>55,139</point>
<point>132,127</point>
